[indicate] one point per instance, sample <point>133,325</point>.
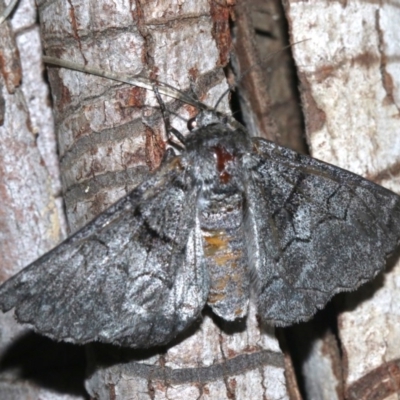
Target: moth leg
<point>168,155</point>
<point>171,131</point>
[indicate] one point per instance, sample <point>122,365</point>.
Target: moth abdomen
<point>223,238</point>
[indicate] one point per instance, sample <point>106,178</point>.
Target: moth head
<point>206,118</point>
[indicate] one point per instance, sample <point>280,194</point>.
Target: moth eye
<point>192,124</point>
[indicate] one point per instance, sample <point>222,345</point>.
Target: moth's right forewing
<point>316,230</point>
<point>134,276</point>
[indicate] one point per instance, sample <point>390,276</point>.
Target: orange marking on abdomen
<point>225,263</point>
<point>217,241</point>
<point>217,247</point>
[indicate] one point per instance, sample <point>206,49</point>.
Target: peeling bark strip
<point>265,73</point>
<point>235,366</point>
<point>254,95</point>
<point>378,384</point>
<point>30,213</point>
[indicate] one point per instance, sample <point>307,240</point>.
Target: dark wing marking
<point>314,230</point>
<point>135,276</point>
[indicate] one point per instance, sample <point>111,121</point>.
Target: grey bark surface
<point>31,216</point>
<point>110,136</point>
<point>349,73</point>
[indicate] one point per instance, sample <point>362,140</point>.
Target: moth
<point>229,219</point>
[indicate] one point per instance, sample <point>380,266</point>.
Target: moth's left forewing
<point>315,230</point>
<point>134,276</point>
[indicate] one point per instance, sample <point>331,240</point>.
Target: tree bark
<point>31,216</point>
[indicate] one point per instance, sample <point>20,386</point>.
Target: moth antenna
<point>9,9</point>
<point>171,131</point>
<point>139,81</point>
<point>220,98</point>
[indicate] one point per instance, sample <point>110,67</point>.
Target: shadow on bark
<point>108,355</point>
<point>48,364</point>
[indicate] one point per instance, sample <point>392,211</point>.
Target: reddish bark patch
<point>330,351</point>
<point>65,98</point>
<point>154,73</point>
<point>386,174</point>
<point>111,388</point>
<point>324,72</point>
<point>74,24</point>
<point>231,388</point>
<point>60,93</point>
<point>192,111</point>
<point>250,349</point>
<point>378,384</point>
<point>221,32</point>
<point>132,96</point>
<point>366,59</point>
<point>135,97</point>
<point>10,65</point>
<point>79,127</point>
<point>387,81</point>
<point>193,73</point>
<point>11,71</point>
<point>231,353</point>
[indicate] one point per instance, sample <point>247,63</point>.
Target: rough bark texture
<point>110,136</point>
<point>31,218</point>
<point>349,72</point>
